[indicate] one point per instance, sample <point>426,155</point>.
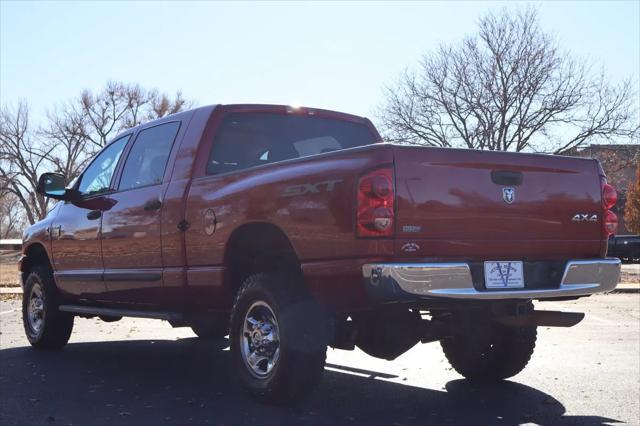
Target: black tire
<point>302,338</point>
<point>485,351</point>
<point>211,331</point>
<point>46,328</point>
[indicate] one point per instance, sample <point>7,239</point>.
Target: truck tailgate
<point>479,204</point>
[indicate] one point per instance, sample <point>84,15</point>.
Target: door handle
<point>152,205</point>
<point>505,177</point>
<point>94,214</point>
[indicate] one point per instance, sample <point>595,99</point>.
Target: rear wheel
<point>45,326</point>
<point>278,339</point>
<point>485,351</point>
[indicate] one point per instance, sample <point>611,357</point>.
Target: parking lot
<point>144,372</point>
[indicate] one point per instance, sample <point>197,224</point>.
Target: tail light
<point>375,211</point>
<point>609,199</point>
<point>610,223</point>
<point>609,196</point>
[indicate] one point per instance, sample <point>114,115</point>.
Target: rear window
<point>252,139</point>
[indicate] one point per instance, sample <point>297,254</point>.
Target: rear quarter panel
<point>312,200</point>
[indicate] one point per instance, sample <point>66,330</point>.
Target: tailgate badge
<point>410,247</point>
<point>584,217</point>
<point>508,195</point>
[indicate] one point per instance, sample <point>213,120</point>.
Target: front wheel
<point>486,351</point>
<point>45,326</point>
<point>278,339</point>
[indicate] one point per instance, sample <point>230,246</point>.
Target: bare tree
<point>145,105</point>
<point>101,115</point>
<point>105,112</point>
<point>21,161</point>
<point>162,105</point>
<point>77,129</point>
<point>64,137</point>
<point>11,216</point>
<point>507,88</point>
<point>72,133</point>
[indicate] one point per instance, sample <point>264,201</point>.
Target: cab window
<point>147,160</point>
<point>97,177</point>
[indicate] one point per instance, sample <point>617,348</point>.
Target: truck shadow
<point>188,382</point>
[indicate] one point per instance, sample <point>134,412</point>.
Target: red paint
<point>461,212</point>
<point>442,201</point>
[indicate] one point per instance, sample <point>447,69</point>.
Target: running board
<point>111,312</point>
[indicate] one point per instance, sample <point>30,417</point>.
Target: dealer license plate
<point>503,275</point>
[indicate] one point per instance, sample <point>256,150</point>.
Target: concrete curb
<point>10,296</point>
<point>10,293</point>
<point>627,289</point>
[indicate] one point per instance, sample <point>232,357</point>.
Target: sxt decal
<point>310,188</point>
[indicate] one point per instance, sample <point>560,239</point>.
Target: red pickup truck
<point>293,229</point>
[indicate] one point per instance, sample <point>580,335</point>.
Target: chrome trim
<point>421,278</point>
<point>453,280</point>
<point>36,309</point>
<point>260,340</point>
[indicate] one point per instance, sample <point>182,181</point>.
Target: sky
<point>327,55</point>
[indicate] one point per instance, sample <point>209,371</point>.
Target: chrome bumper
<point>453,280</point>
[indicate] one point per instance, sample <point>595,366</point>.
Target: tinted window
<point>97,177</point>
<point>250,139</point>
<point>148,157</point>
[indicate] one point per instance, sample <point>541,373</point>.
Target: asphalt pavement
<point>143,372</point>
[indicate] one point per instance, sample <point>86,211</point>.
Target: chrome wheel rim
<point>260,339</point>
<point>35,309</point>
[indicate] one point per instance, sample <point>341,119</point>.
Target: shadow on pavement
<point>188,382</point>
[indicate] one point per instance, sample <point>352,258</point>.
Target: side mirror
<point>52,185</point>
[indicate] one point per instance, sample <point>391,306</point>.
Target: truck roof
<point>292,109</point>
<point>273,108</point>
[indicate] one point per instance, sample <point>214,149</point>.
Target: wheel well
<point>257,247</point>
<point>35,255</point>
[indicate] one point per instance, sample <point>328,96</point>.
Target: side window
<point>97,177</point>
<point>148,157</point>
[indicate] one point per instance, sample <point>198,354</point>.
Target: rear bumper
<point>405,281</point>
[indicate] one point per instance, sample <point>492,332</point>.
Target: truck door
<point>131,229</point>
<point>75,231</point>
